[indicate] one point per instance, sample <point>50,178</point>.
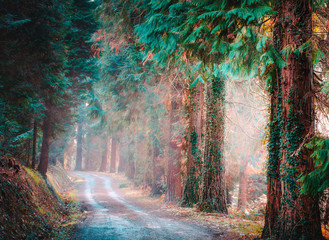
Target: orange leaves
<point>101,37</point>
<point>148,57</point>
<point>96,50</point>
<point>184,56</point>
<point>325,232</point>
<point>115,44</point>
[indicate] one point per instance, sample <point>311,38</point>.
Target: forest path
<point>111,215</point>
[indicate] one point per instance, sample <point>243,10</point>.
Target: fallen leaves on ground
<point>236,221</point>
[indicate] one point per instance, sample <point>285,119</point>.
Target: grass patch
<point>34,175</point>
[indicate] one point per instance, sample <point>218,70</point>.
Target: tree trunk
<point>104,163</point>
<point>78,166</point>
<point>174,188</point>
<point>88,152</point>
<point>299,216</point>
<point>29,149</point>
<point>243,186</point>
<point>122,158</point>
<point>44,157</point>
<point>113,155</point>
<point>174,181</point>
<point>273,204</point>
<point>155,158</point>
<point>34,144</point>
<point>214,187</point>
<point>191,190</point>
<point>131,165</point>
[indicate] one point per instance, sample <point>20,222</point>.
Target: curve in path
<point>110,216</point>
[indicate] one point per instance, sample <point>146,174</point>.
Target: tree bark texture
<point>44,157</point>
<point>191,190</point>
<point>78,164</point>
<point>174,181</point>
<point>300,217</point>
<point>273,204</point>
<point>214,187</point>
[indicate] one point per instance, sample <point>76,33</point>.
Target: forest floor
<point>114,209</point>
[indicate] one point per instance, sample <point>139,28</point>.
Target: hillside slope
<point>30,208</point>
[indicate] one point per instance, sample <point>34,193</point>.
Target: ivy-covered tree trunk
<point>34,144</point>
<point>299,218</point>
<point>44,157</point>
<point>214,187</point>
<point>191,190</point>
<point>113,155</point>
<point>273,204</point>
<point>104,163</point>
<point>78,164</point>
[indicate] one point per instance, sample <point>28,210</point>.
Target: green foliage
<point>315,182</point>
<point>31,65</point>
<point>197,28</point>
<point>45,57</point>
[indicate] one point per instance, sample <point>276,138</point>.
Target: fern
<point>317,181</point>
<point>287,50</point>
<point>304,47</point>
<point>317,55</point>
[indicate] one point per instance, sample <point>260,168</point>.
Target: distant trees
<point>81,68</point>
<point>173,31</point>
<point>199,31</point>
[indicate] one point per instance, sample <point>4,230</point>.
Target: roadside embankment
<point>33,207</point>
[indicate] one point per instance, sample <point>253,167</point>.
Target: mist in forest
<point>216,106</point>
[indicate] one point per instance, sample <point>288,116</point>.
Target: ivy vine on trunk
<point>214,188</point>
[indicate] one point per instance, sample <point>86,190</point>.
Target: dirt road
<point>111,215</point>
